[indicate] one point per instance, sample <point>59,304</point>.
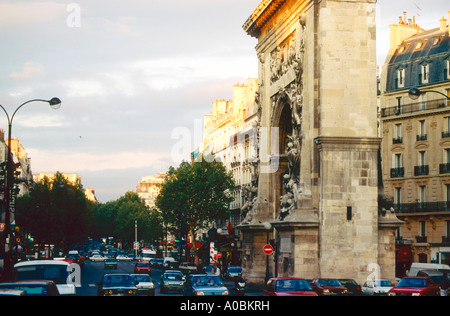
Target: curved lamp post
<point>415,93</point>
<point>54,103</point>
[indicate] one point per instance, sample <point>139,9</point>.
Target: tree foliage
<point>56,211</point>
<point>195,195</point>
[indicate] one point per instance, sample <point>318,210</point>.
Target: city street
<point>93,271</point>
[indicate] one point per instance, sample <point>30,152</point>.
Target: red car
<point>328,287</point>
<point>415,286</point>
<point>288,287</point>
<point>142,267</point>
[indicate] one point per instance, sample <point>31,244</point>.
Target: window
<point>425,73</point>
<point>447,155</point>
<point>422,229</point>
<point>398,196</point>
<point>422,194</point>
<point>447,73</point>
<point>401,78</point>
<point>399,106</point>
<point>446,131</point>
<point>422,155</point>
<point>398,134</point>
<point>422,135</point>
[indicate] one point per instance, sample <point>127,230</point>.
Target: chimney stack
<point>443,24</point>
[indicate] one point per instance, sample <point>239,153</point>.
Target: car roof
<point>41,262</point>
<point>32,282</point>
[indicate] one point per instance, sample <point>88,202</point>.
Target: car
<point>440,277</point>
<point>377,287</point>
<point>352,287</point>
<point>62,273</point>
<point>145,285</point>
<point>123,258</point>
<point>204,285</point>
<point>167,262</point>
<point>6,292</point>
<point>233,273</point>
<point>110,263</point>
<point>172,281</point>
<point>142,267</point>
<point>187,267</point>
<point>97,258</point>
<point>33,288</point>
<point>117,285</point>
<point>415,286</point>
<point>328,287</point>
<point>288,287</point>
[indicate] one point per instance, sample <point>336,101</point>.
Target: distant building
<point>149,188</point>
<point>230,134</point>
<point>416,140</point>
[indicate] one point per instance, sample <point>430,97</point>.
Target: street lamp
<point>415,93</point>
<point>267,227</point>
<point>55,103</point>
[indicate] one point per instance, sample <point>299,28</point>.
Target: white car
<point>66,276</point>
<point>377,287</point>
<point>145,284</point>
<point>123,258</point>
<point>97,258</point>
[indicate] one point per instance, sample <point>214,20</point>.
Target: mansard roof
<point>423,45</point>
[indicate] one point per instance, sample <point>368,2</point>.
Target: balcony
<point>397,140</point>
<point>422,137</point>
<point>421,239</point>
<point>421,170</point>
<point>415,107</point>
<point>444,168</point>
<point>397,172</point>
<point>422,207</point>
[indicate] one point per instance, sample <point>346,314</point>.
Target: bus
<point>148,254</point>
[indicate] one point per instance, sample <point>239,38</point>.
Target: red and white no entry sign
<point>268,249</point>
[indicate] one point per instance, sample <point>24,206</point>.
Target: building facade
<point>416,140</point>
<point>149,187</point>
<point>317,189</point>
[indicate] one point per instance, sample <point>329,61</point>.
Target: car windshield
<point>292,285</point>
<point>142,278</point>
<point>110,260</point>
<point>142,265</point>
<point>56,273</point>
<point>210,280</point>
<point>348,282</point>
<point>235,270</point>
<point>328,282</point>
<point>114,280</point>
<point>172,277</point>
<point>383,283</point>
<point>412,282</point>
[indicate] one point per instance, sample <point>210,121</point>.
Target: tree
<point>56,211</point>
<point>194,196</point>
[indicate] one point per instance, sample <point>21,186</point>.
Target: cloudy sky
<point>132,75</point>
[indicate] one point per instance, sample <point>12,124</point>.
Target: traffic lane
<point>93,272</point>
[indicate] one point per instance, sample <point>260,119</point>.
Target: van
<point>416,267</point>
<point>60,272</point>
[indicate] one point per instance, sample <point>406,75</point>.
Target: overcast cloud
<point>129,73</point>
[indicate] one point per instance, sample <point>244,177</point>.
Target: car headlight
<point>166,283</point>
<point>199,293</point>
<point>391,294</point>
<point>326,291</point>
<point>225,293</point>
<point>415,294</point>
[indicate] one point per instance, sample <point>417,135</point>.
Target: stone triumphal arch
<point>317,90</point>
